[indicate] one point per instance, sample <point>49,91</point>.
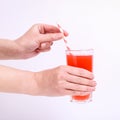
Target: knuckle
<point>89,82</point>
<point>82,88</point>
<point>61,67</point>
<point>35,25</point>
<point>88,89</point>
<point>61,74</point>
<point>61,84</point>
<point>81,71</point>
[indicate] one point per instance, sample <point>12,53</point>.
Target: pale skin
<point>58,81</point>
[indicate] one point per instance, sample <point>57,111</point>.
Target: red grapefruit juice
<point>81,61</point>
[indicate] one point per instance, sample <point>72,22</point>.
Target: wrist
<point>28,84</point>
<point>16,51</point>
<point>9,49</point>
<point>35,84</point>
<point>19,50</point>
<point>32,85</point>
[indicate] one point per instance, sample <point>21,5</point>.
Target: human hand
<point>64,80</point>
<point>38,38</point>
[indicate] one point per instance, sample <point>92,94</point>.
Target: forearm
<point>9,49</point>
<point>16,81</point>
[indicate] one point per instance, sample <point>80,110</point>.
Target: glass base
<point>82,99</point>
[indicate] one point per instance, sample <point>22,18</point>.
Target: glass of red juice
<point>83,59</point>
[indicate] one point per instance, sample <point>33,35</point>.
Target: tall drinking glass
<point>82,59</point>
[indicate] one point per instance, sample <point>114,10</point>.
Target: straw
<point>65,41</point>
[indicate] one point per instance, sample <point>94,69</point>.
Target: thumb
<point>46,45</point>
<point>49,37</point>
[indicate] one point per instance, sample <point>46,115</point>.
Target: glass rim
<point>80,52</point>
<point>91,49</point>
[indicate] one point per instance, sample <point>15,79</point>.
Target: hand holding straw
<point>65,41</point>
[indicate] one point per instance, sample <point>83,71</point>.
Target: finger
<point>79,72</point>
<point>45,45</point>
<point>45,28</point>
<point>80,80</point>
<point>43,50</point>
<point>51,37</point>
<point>71,92</point>
<point>78,87</point>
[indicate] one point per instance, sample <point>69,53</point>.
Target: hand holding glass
<point>81,59</point>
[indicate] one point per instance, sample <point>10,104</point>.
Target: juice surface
<point>84,61</point>
<point>81,61</point>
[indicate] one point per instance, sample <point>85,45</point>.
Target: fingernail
<point>92,89</point>
<point>94,83</point>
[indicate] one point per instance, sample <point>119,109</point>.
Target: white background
<point>90,23</point>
